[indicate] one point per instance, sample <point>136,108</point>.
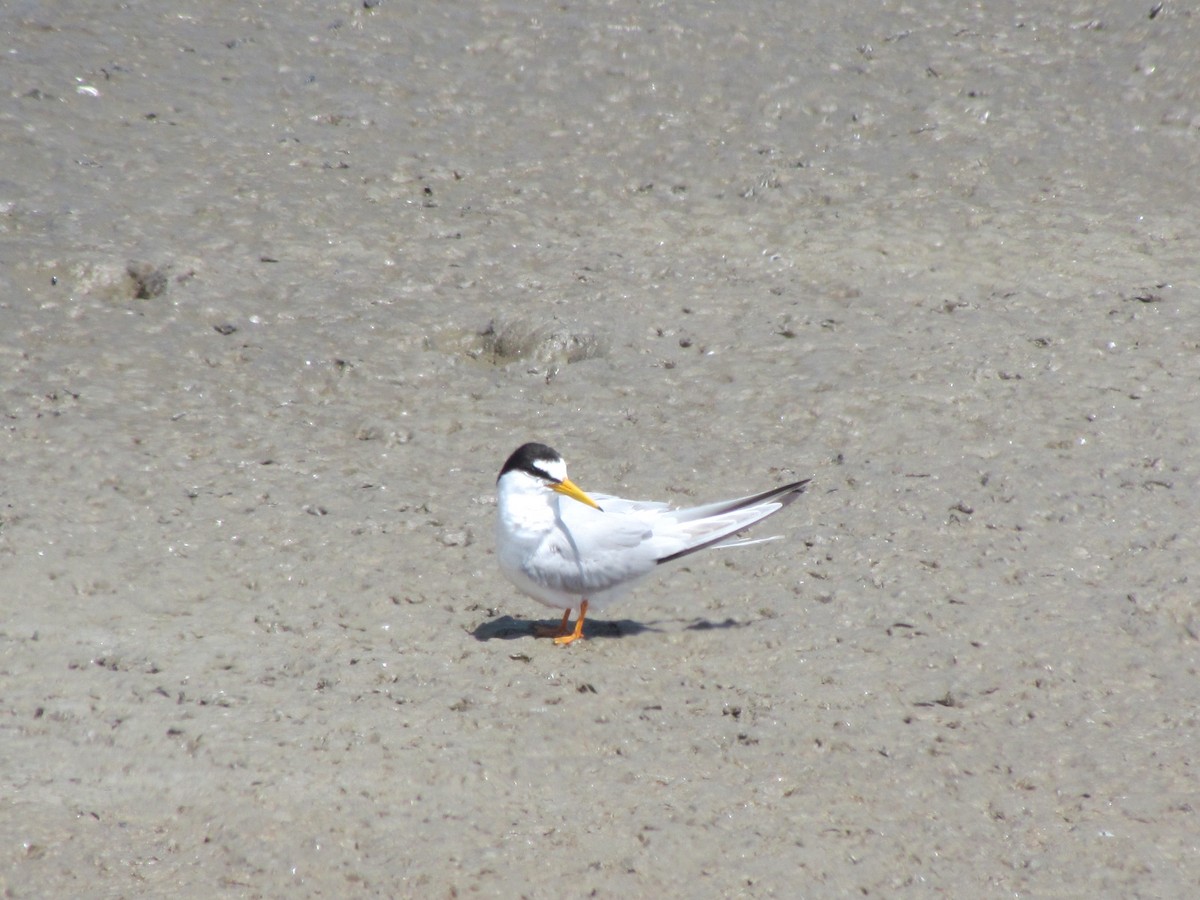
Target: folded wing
<point>699,527</point>
<point>632,536</point>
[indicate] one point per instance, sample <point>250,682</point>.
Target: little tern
<point>569,550</point>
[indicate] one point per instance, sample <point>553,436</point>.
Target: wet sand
<point>282,288</point>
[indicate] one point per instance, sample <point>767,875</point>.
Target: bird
<point>570,550</point>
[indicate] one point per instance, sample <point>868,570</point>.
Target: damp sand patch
<point>542,346</point>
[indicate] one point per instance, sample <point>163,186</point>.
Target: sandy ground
<point>283,284</point>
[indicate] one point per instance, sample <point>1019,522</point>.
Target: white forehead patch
<point>555,469</point>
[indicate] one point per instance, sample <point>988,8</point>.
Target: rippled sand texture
<point>282,284</point>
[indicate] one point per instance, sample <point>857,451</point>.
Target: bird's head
<point>537,465</point>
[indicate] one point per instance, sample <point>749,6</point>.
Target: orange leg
<point>545,631</point>
<point>578,632</point>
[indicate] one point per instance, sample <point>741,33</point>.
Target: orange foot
<point>563,634</point>
<point>551,631</point>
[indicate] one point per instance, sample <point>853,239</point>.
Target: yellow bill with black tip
<point>568,488</point>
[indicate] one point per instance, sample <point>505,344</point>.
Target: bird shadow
<point>507,628</point>
<point>706,625</point>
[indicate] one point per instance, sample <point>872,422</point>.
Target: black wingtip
<point>790,492</point>
<point>783,495</point>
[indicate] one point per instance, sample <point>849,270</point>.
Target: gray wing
<point>713,524</point>
<point>611,504</point>
<point>599,550</point>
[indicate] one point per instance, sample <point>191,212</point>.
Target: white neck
<point>526,505</point>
